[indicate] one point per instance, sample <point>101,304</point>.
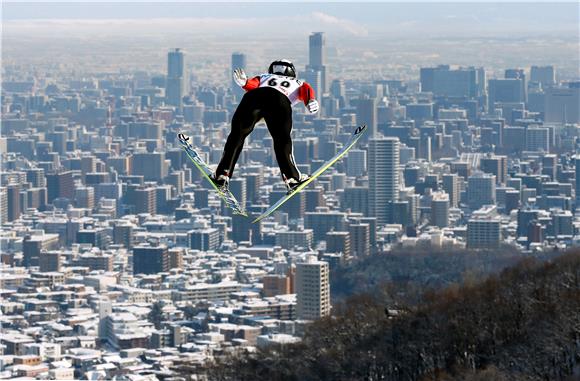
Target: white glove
<point>312,106</point>
<point>240,77</point>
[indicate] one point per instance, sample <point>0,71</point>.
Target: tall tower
<point>175,85</point>
<point>312,289</point>
<point>366,113</point>
<point>383,162</point>
<point>238,62</point>
<point>317,58</point>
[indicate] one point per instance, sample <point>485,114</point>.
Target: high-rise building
<point>366,113</point>
<point>145,200</point>
<point>440,209</point>
<point>3,205</point>
<point>85,197</point>
<point>451,187</point>
<point>151,165</point>
<point>150,259</point>
<point>484,229</point>
<point>13,201</point>
<point>317,58</point>
<point>60,185</point>
<point>238,62</point>
<point>290,239</point>
<point>383,162</point>
<point>35,176</point>
<point>360,239</point>
<point>123,234</point>
<point>49,261</point>
<point>538,139</point>
<point>480,190</point>
<point>562,104</point>
<point>544,75</point>
<point>323,221</point>
<point>549,165</point>
<point>175,83</point>
<point>239,190</point>
<point>495,165</point>
<point>521,75</point>
<point>204,239</point>
<point>445,81</point>
<point>32,247</point>
<point>314,79</point>
<point>312,289</point>
<point>356,162</point>
<point>507,90</point>
<point>338,242</point>
<point>356,199</point>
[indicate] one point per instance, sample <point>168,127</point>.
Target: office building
<point>521,75</point>
<point>483,234</point>
<point>60,185</point>
<point>480,190</point>
<point>33,246</point>
<point>356,162</point>
<point>312,289</point>
<point>495,165</point>
<point>85,197</point>
<point>451,187</point>
<point>440,209</point>
<point>3,205</point>
<point>356,199</point>
<point>360,239</point>
<point>49,261</point>
<point>13,196</point>
<point>562,104</point>
<point>447,82</point>
<point>338,242</point>
<point>507,90</point>
<point>145,200</point>
<point>35,176</point>
<point>544,75</point>
<point>238,62</point>
<point>150,259</point>
<point>204,239</point>
<point>366,113</point>
<point>538,139</point>
<point>151,165</point>
<point>317,59</point>
<point>383,164</point>
<point>175,83</point>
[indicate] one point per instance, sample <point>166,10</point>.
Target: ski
<point>351,142</point>
<point>206,171</point>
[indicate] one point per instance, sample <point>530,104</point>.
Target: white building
<point>383,160</point>
<point>312,289</point>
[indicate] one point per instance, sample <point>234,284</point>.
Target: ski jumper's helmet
<point>282,67</point>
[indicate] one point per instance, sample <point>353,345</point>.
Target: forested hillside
<point>523,324</point>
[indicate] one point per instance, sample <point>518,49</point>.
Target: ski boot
<point>222,182</point>
<point>293,184</point>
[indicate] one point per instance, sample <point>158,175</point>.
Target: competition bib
<point>286,85</point>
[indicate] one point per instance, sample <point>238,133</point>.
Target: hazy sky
<point>378,38</point>
<point>358,19</point>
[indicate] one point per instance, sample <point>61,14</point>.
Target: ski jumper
<point>271,97</point>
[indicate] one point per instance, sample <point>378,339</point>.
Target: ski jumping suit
<point>268,96</point>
